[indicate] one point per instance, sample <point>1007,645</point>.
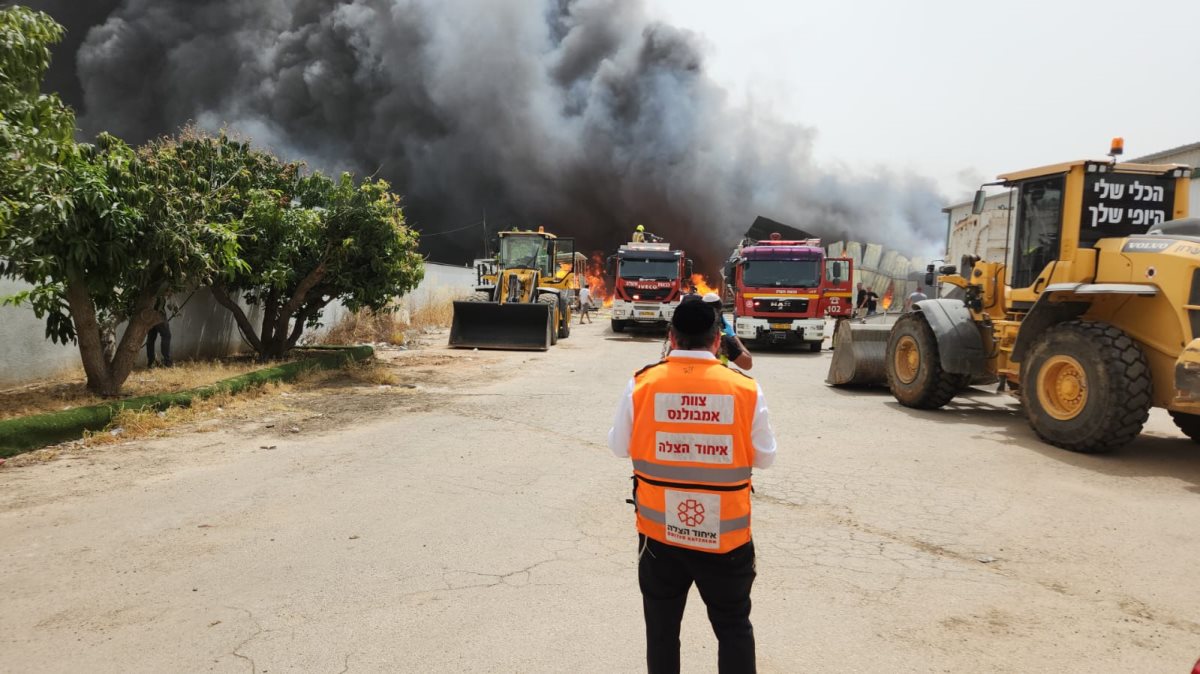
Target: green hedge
<point>23,434</point>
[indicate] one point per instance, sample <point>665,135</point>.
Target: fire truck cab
<point>782,291</point>
<point>647,283</point>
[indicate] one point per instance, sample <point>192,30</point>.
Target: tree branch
<point>243,323</point>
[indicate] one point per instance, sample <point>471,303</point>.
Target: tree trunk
<point>105,377</point>
<point>87,335</point>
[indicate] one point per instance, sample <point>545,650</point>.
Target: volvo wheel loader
<point>523,297</point>
<point>1092,318</point>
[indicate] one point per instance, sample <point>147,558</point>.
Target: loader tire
<point>551,301</point>
<point>1188,423</point>
<point>914,367</point>
<point>564,328</point>
<point>1086,387</point>
<point>618,326</point>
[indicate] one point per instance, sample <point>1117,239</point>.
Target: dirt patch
<point>65,392</point>
<point>395,381</point>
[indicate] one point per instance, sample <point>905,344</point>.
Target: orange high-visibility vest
<point>692,453</point>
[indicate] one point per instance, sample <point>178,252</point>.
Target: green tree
<point>96,229</point>
<point>321,240</point>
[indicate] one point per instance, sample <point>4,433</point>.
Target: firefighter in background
<point>640,235</point>
<point>694,430</point>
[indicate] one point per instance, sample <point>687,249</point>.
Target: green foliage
<point>307,240</point>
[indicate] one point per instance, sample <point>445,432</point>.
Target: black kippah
<point>693,317</point>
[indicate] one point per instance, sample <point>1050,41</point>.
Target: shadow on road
<point>1149,455</point>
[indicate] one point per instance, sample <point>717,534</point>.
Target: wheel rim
<point>1062,387</point>
<point>907,360</point>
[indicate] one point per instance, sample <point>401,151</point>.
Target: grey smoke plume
<point>581,115</point>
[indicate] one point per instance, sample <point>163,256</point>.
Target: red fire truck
<point>648,283</point>
<point>782,291</point>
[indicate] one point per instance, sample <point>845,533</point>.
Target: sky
<point>957,90</point>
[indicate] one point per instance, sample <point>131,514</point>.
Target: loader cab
<point>1060,212</point>
<point>526,250</point>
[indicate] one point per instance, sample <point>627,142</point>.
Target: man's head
<point>641,228</point>
<point>585,284</point>
<point>860,285</point>
<point>694,326</point>
<point>713,301</point>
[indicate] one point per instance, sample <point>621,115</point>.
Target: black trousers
<point>162,330</point>
<point>666,573</point>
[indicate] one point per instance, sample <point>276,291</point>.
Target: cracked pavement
<point>481,526</point>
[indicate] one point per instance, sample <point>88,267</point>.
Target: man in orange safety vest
<point>694,430</point>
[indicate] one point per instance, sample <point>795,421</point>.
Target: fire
<point>888,296</point>
<point>594,273</point>
<point>564,268</point>
<point>701,285</point>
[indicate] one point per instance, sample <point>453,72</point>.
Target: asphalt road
<point>477,523</point>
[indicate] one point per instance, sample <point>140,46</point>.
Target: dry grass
<point>70,390</point>
<point>398,326</point>
<point>136,424</point>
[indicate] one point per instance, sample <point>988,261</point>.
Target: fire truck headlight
<point>637,297</point>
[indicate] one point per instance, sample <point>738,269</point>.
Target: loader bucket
<point>490,325</point>
<point>859,352</point>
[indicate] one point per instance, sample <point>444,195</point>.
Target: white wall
<point>201,329</point>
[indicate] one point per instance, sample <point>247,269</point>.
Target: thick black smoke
<point>580,115</point>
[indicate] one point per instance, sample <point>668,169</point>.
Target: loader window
<point>1039,228</point>
<point>524,252</point>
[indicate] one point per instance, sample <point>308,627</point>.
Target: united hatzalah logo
<point>691,512</point>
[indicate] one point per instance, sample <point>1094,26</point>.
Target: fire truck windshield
<point>782,273</point>
<point>632,267</point>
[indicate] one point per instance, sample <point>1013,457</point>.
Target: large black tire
<point>1086,387</point>
<point>1188,423</point>
<point>814,347</point>
<point>564,315</point>
<point>618,326</point>
<point>914,366</point>
<point>551,300</point>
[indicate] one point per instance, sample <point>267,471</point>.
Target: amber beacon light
<point>1117,148</point>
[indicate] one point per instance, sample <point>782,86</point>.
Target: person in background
<point>872,302</point>
<point>917,296</point>
<point>162,331</point>
<point>860,301</point>
<point>639,234</point>
<point>692,500</point>
<point>732,348</point>
<point>585,304</point>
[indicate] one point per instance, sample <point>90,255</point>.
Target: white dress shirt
<point>761,435</point>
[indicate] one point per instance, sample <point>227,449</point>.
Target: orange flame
<point>888,297</point>
<point>594,273</point>
<point>700,283</point>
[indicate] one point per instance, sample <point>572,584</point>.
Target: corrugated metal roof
<point>1158,156</point>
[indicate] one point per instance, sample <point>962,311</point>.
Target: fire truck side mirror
<point>930,278</point>
<point>611,266</point>
<point>687,268</point>
<point>837,272</point>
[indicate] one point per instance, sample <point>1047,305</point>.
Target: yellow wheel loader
<point>523,297</point>
<point>1092,318</point>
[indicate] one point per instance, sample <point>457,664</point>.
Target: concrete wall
<point>25,353</point>
<point>201,329</point>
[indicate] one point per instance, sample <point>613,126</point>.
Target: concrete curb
<point>24,434</point>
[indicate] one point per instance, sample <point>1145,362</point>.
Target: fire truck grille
<point>656,294</point>
<point>782,306</point>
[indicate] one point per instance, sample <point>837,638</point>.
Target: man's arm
<point>761,435</point>
<point>622,427</point>
<point>736,352</point>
